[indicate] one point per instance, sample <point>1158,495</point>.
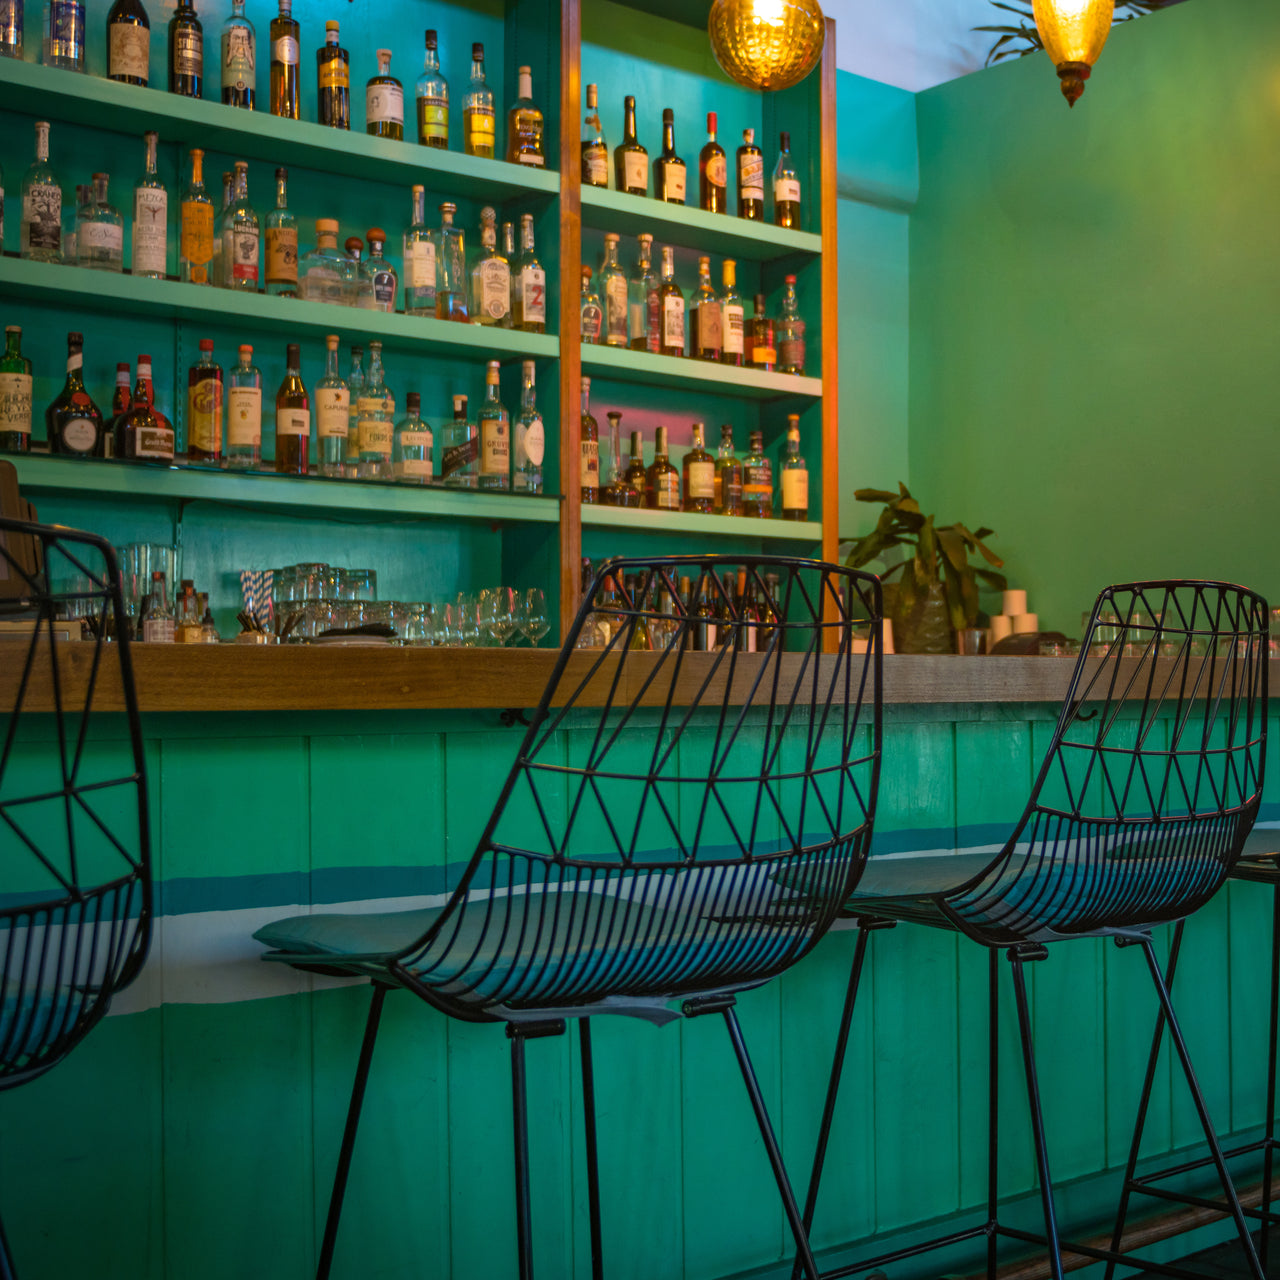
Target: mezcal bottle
<point>150,219</point>
<point>282,243</point>
<point>333,413</point>
<point>419,262</point>
<point>100,231</point>
<point>495,435</point>
<point>40,231</point>
<point>530,439</point>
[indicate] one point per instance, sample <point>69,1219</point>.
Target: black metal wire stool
<point>1149,787</point>
<point>700,842</point>
<point>75,850</point>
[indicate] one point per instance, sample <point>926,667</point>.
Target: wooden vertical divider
<point>829,211</point>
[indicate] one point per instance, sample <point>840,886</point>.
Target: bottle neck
<point>384,67</point>
<point>611,254</point>
<point>524,87</point>
<point>151,157</point>
<point>586,403</point>
<point>12,344</point>
<point>477,71</point>
<point>431,62</point>
<point>629,124</point>
<point>668,137</point>
<point>419,208</point>
<point>75,362</point>
<point>331,363</point>
<point>42,146</point>
<point>491,393</point>
<point>526,237</point>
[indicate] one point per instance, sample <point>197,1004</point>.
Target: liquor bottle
<point>750,178</point>
<point>204,407</point>
<point>595,151</point>
<point>630,159</point>
<point>613,294</point>
<point>699,469</point>
<point>65,35</point>
<point>186,628</point>
<point>100,231</point>
<point>15,394</point>
<point>386,284</point>
<point>358,287</point>
<point>478,126</point>
<point>158,624</point>
<point>589,444</point>
<point>763,355</point>
<point>186,51</point>
<point>490,277</point>
<point>530,439</point>
<point>411,444</point>
<point>293,412</point>
<point>122,398</point>
<point>789,331</point>
<point>731,318</point>
<point>786,187</point>
<point>433,100</point>
<point>702,619</point>
<point>525,125</point>
<point>706,328</point>
<point>451,267</point>
<point>355,386</point>
<point>40,231</point>
<point>670,307</point>
<point>72,213</point>
<point>619,492</point>
<point>662,480</point>
<point>384,102</point>
<point>239,59</point>
<point>459,448</point>
<point>145,435</point>
<point>589,310</point>
<point>495,435</point>
<point>728,499</point>
<point>244,413</point>
<point>195,247</point>
<point>528,284</point>
<point>128,43</point>
<point>333,413</point>
<point>333,77</point>
<point>419,262</point>
<point>73,422</point>
<point>668,168</point>
<point>745,603</point>
<point>795,475</point>
<point>634,476</point>
<point>11,24</point>
<point>282,243</point>
<point>376,425</point>
<point>218,270</point>
<point>240,236</point>
<point>285,54</point>
<point>757,480</point>
<point>323,273</point>
<point>640,287</point>
<point>150,219</point>
<point>713,172</point>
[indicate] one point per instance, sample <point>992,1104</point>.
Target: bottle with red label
<point>240,236</point>
<point>789,332</point>
<point>145,436</point>
<point>204,407</point>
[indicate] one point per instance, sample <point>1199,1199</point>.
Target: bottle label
<point>154,442</point>
<point>761,354</point>
<point>596,166</point>
<point>15,403</point>
<point>710,330</point>
<point>673,322</point>
<point>335,73</point>
<point>732,329</point>
<point>333,412</point>
<point>197,238</point>
<point>11,23</point>
<point>786,189</point>
<point>282,255</point>
<point>414,468</point>
<point>700,477</point>
<point>591,321</point>
<point>653,321</point>
<point>589,464</point>
<point>66,29</point>
<point>795,490</point>
<point>375,435</point>
<point>531,441</point>
<point>79,435</point>
<point>751,177</point>
<point>244,254</point>
<point>728,495</point>
<point>717,171</point>
<point>791,351</point>
<point>42,217</point>
<point>420,267</point>
<point>204,415</point>
<point>495,447</point>
<point>129,51</point>
<point>460,457</point>
<point>188,52</point>
<point>757,481</point>
<point>384,104</point>
<point>531,157</point>
<point>107,237</point>
<point>292,421</point>
<point>384,289</point>
<point>284,49</point>
<point>244,416</point>
<point>495,288</point>
<point>480,128</point>
<point>238,61</point>
<point>635,170</point>
<point>533,288</point>
<point>615,303</point>
<point>433,119</point>
<point>150,230</point>
<point>157,630</point>
<point>673,182</point>
<point>667,491</point>
<point>637,317</point>
<point>415,440</point>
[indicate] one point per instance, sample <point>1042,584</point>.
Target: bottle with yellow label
<point>15,394</point>
<point>795,475</point>
<point>433,100</point>
<point>333,70</point>
<point>195,249</point>
<point>495,435</point>
<point>477,109</point>
<point>204,407</point>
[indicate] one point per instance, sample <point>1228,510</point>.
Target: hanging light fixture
<point>1073,33</point>
<point>766,44</point>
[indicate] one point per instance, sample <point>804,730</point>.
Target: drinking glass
<point>468,620</point>
<point>531,614</point>
<point>498,613</point>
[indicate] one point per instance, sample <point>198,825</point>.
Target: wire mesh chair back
<point>75,876</point>
<point>676,821</point>
<point>1154,775</point>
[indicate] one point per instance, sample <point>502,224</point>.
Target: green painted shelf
<point>87,290</point>
<point>693,228</point>
<point>624,365</point>
<point>103,104</point>
<point>265,491</point>
<point>703,525</point>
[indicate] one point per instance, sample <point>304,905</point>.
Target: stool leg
<point>993,1106</point>
<point>524,1224</point>
<point>6,1261</point>
<point>1274,1030</point>
<point>593,1165</point>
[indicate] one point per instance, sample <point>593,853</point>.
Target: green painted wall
<point>1093,309</point>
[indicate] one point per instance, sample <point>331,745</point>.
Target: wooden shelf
<point>704,526</point>
<point>624,365</point>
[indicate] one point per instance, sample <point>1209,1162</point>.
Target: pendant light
<point>766,44</point>
<point>1073,33</point>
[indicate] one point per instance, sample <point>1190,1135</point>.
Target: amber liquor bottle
<point>333,75</point>
<point>762,354</point>
<point>713,172</point>
<point>634,476</point>
<point>795,475</point>
<point>525,124</point>
<point>728,476</point>
<point>699,469</point>
<point>293,417</point>
<point>750,178</point>
<point>204,407</point>
<point>786,187</point>
<point>73,421</point>
<point>670,308</point>
<point>589,465</point>
<point>662,480</point>
<point>595,151</point>
<point>630,159</point>
<point>706,330</point>
<point>145,435</point>
<point>668,168</point>
<point>284,62</point>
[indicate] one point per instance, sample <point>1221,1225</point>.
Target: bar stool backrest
<point>75,874</point>
<point>1154,775</point>
<point>678,821</point>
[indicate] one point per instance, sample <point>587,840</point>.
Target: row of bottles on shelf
<point>189,620</point>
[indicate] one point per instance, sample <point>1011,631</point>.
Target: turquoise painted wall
<point>1093,308</point>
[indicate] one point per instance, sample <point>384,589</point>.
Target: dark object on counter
<point>365,629</point>
<point>1027,642</point>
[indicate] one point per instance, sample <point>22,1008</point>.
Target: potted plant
<point>937,588</point>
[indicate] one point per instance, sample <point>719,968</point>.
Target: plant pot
<point>926,626</point>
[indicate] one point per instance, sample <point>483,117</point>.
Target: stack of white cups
<point>1013,619</point>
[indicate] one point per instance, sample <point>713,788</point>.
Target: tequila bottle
<point>384,102</point>
<point>786,187</point>
<point>529,284</point>
<point>355,386</point>
<point>495,435</point>
<point>757,480</point>
<point>240,236</point>
<point>662,480</point>
<point>530,439</point>
<point>728,501</point>
<point>239,59</point>
<point>451,268</point>
<point>100,231</point>
<point>359,284</point>
<point>795,475</point>
<point>460,448</point>
<point>244,413</point>
<point>195,246</point>
<point>524,124</point>
<point>699,469</point>
<point>333,413</point>
<point>706,330</point>
<point>670,303</point>
<point>477,109</point>
<point>668,168</point>
<point>323,273</point>
<point>595,151</point>
<point>376,425</point>
<point>789,331</point>
<point>750,178</point>
<point>186,51</point>
<point>630,159</point>
<point>419,262</point>
<point>64,35</point>
<point>411,445</point>
<point>713,172</point>
<point>282,243</point>
<point>204,407</point>
<point>333,76</point>
<point>293,417</point>
<point>15,394</point>
<point>642,283</point>
<point>589,444</point>
<point>589,310</point>
<point>613,294</point>
<point>128,43</point>
<point>285,54</point>
<point>490,277</point>
<point>40,232</point>
<point>386,284</point>
<point>150,219</point>
<point>433,100</point>
<point>731,318</point>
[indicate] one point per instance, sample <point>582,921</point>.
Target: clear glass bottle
<point>706,328</point>
<point>64,35</point>
<point>285,56</point>
<point>195,241</point>
<point>699,473</point>
<point>73,423</point>
<point>433,99</point>
<point>595,151</point>
<point>786,187</point>
<point>490,277</point>
<point>219,268</point>
<point>100,231</point>
<point>333,80</point>
<point>670,308</point>
<point>525,125</point>
<point>750,178</point>
<point>529,284</point>
<point>333,414</point>
<point>713,172</point>
<point>589,445</point>
<point>763,354</point>
<point>359,285</point>
<point>204,407</point>
<point>40,231</point>
<point>495,435</point>
<point>612,287</point>
<point>419,262</point>
<point>386,284</point>
<point>239,59</point>
<point>11,24</point>
<point>293,417</point>
<point>757,480</point>
<point>731,318</point>
<point>323,273</point>
<point>145,435</point>
<point>630,159</point>
<point>243,447</point>
<point>158,625</point>
<point>150,219</point>
<point>509,252</point>
<point>789,332</point>
<point>662,480</point>
<point>15,394</point>
<point>728,499</point>
<point>376,425</point>
<point>384,102</point>
<point>282,243</point>
<point>618,493</point>
<point>412,444</point>
<point>634,476</point>
<point>460,448</point>
<point>451,267</point>
<point>643,282</point>
<point>479,129</point>
<point>795,475</point>
<point>186,51</point>
<point>240,236</point>
<point>669,178</point>
<point>128,43</point>
<point>530,442</point>
<point>590,312</point>
<point>355,385</point>
<point>72,213</point>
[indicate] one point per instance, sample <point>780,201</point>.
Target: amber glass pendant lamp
<point>766,44</point>
<point>1073,32</point>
